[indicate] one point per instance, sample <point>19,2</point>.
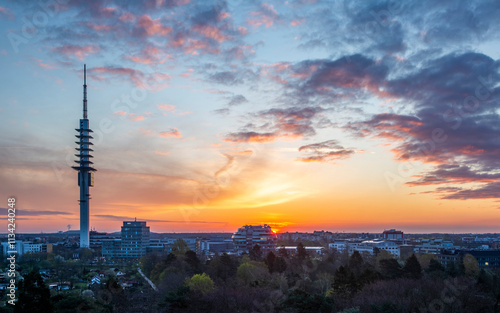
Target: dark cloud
<point>237,100</point>
<point>454,124</point>
<point>127,218</point>
<point>4,212</point>
<point>326,151</point>
<point>294,122</point>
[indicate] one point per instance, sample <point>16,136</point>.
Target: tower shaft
<point>84,168</point>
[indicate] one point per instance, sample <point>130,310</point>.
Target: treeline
<point>279,282</point>
<point>273,281</point>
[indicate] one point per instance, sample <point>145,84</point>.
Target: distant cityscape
<point>136,240</point>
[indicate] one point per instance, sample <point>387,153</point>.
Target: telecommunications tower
<point>84,168</point>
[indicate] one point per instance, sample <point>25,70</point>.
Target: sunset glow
<point>211,115</point>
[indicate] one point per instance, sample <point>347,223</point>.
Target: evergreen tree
<point>344,280</point>
<point>280,264</point>
<point>34,296</point>
<point>412,268</point>
<point>270,261</point>
<point>356,263</point>
<point>301,251</point>
<point>390,268</point>
<point>435,266</point>
<point>255,253</point>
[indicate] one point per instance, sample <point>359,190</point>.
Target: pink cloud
<point>99,27</point>
<point>172,132</point>
<point>152,27</point>
<point>297,22</point>
<point>170,108</point>
<point>267,15</point>
<point>161,153</point>
<point>149,55</point>
<point>211,32</point>
<point>79,51</point>
<point>44,65</point>
<point>166,107</point>
<point>127,17</point>
<point>154,81</point>
<point>6,12</point>
<point>120,113</point>
<point>135,117</point>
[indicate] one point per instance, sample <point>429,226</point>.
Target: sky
<point>346,116</point>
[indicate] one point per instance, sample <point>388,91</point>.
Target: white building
<point>371,246</point>
<point>340,246</point>
<point>25,247</point>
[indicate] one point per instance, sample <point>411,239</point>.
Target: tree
<point>280,264</point>
<point>253,273</point>
<point>356,262</point>
<point>180,247</point>
<point>34,296</point>
<point>192,259</point>
<point>471,265</point>
<point>412,268</point>
<point>255,253</point>
<point>382,255</point>
<point>148,262</point>
<point>390,268</point>
<point>282,252</point>
<point>200,283</point>
<point>344,280</point>
<point>301,251</point>
<point>435,266</point>
<point>222,267</point>
<point>270,261</point>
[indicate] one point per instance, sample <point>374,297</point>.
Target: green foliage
<point>253,273</point>
<point>180,247</point>
<point>200,283</point>
<point>303,302</point>
<point>471,265</point>
<point>67,303</point>
<point>148,262</point>
<point>435,266</point>
<point>222,267</point>
<point>176,300</point>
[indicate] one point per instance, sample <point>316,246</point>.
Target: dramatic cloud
<point>289,123</point>
<point>266,15</point>
<point>326,151</point>
<point>454,124</point>
<point>152,81</point>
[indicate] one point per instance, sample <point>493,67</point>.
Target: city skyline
<point>208,116</point>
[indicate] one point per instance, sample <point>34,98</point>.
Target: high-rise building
<point>133,243</point>
<point>135,239</point>
<point>248,236</point>
<point>84,168</point>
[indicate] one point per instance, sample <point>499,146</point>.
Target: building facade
<point>133,243</point>
<point>248,236</point>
